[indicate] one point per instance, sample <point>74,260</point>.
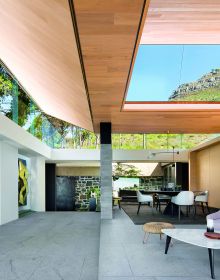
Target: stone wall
<point>151,182</point>
<point>83,184</point>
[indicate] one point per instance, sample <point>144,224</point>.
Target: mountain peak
<point>207,81</point>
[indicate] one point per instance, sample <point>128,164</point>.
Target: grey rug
<point>145,215</point>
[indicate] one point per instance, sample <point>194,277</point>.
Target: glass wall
<point>16,105</point>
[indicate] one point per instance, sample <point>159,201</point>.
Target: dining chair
<point>144,199</point>
<point>160,198</point>
<point>184,198</point>
<point>202,198</point>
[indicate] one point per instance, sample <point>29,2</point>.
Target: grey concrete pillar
<point>106,170</point>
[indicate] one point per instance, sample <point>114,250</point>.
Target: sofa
<point>216,219</point>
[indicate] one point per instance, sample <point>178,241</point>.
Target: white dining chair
<point>144,199</point>
<point>184,198</point>
<point>202,198</point>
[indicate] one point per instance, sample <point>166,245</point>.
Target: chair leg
<point>159,207</point>
<point>179,212</point>
<point>187,211</point>
<point>146,236</point>
<point>172,209</point>
<point>207,207</point>
<point>119,204</point>
<point>152,208</point>
<point>194,214</point>
<point>202,207</point>
<point>139,205</point>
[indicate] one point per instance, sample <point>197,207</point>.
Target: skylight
<point>164,73</point>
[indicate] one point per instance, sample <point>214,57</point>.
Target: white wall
<point>62,155</point>
<point>8,183</point>
<point>37,183</point>
<point>75,154</point>
<point>22,139</point>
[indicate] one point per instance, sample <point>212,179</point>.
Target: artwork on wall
<point>22,182</point>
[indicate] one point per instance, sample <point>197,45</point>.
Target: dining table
<point>168,209</point>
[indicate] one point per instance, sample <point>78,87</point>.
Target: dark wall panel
<point>50,186</point>
<point>182,175</point>
<point>65,193</point>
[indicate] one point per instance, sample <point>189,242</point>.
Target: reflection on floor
<point>50,246</point>
<point>123,256</point>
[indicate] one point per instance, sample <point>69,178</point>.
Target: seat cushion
<point>173,199</point>
<point>201,198</point>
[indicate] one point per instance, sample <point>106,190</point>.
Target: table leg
<point>211,262</point>
<point>167,244</point>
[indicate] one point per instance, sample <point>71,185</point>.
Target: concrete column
<point>106,171</point>
<point>8,183</point>
<point>37,184</point>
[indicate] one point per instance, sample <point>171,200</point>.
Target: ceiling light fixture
<point>173,152</point>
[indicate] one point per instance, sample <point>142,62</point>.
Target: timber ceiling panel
<point>38,45</point>
<point>107,31</point>
<point>182,22</point>
<point>161,122</point>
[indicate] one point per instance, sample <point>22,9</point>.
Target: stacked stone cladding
<point>83,184</point>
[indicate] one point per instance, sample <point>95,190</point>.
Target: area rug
<point>145,215</point>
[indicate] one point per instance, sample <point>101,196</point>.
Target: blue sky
<point>157,70</point>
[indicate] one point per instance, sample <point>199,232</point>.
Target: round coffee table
<point>155,228</point>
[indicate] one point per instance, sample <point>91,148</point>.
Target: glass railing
<point>159,141</point>
<point>18,106</point>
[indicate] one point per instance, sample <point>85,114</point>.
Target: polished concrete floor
<point>123,256</point>
<point>65,246</point>
<point>51,246</point>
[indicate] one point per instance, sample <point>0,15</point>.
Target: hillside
<point>207,88</point>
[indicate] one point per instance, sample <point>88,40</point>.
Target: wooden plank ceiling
<point>38,45</point>
<point>182,22</point>
<point>107,32</point>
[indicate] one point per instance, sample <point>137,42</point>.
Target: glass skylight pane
<point>176,72</point>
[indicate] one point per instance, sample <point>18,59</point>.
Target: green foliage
<point>94,190</point>
<point>5,85</point>
<point>209,95</point>
<point>125,170</point>
<point>37,126</point>
<point>159,141</point>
